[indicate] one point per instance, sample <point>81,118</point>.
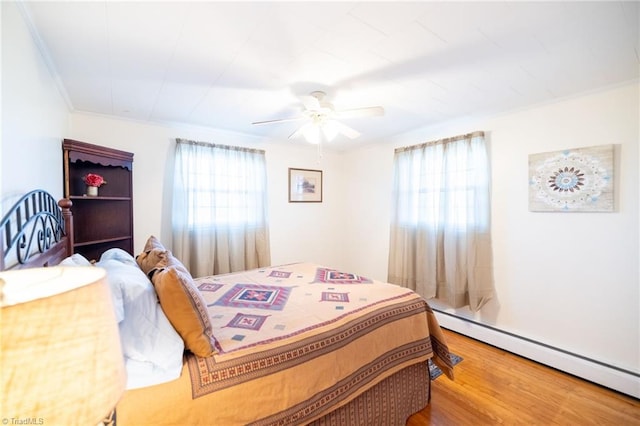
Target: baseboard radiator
<point>618,379</point>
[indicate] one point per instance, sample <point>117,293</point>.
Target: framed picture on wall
<point>305,186</point>
<point>572,180</point>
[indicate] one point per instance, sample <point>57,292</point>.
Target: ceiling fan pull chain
<point>319,151</point>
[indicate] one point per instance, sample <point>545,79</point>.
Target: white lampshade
<point>61,357</point>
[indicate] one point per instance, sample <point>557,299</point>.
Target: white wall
<point>34,115</point>
<point>299,231</point>
<point>569,280</point>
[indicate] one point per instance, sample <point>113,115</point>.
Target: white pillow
<point>75,260</point>
<point>119,255</point>
<point>152,348</point>
<point>116,293</point>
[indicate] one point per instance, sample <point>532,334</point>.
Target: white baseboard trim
<point>611,377</point>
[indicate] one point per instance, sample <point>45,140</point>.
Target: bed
<point>300,343</point>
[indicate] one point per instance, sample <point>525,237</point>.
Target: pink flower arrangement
<point>92,179</point>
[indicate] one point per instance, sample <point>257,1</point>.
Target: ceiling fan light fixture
<point>330,130</point>
<point>311,133</point>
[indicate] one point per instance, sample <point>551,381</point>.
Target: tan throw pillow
<point>183,304</point>
<point>148,259</point>
<point>153,243</point>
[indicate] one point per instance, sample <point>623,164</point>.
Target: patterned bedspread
<point>298,341</point>
<point>269,305</point>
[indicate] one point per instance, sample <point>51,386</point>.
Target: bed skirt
<point>390,402</point>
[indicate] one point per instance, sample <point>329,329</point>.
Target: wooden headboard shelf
<point>37,231</point>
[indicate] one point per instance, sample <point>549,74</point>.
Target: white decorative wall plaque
<point>573,180</point>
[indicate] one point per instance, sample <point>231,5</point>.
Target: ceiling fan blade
<point>345,130</point>
<point>311,103</point>
<point>299,131</point>
<point>279,120</point>
<point>361,112</point>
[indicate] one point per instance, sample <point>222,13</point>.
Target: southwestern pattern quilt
<point>268,305</point>
<point>297,341</point>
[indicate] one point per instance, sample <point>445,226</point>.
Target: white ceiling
<point>227,64</point>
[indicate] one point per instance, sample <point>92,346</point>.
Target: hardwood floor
<point>493,386</point>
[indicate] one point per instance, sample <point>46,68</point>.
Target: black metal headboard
<point>36,231</point>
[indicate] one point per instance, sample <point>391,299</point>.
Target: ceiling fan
<point>322,119</point>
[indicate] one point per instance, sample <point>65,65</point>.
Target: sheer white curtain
<point>219,216</point>
<point>440,242</point>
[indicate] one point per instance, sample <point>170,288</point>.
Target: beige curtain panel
<point>440,242</point>
<point>219,216</point>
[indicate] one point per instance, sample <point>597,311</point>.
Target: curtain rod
<point>478,133</point>
<point>215,145</point>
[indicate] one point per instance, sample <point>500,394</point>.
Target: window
<point>443,185</point>
<point>226,186</point>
